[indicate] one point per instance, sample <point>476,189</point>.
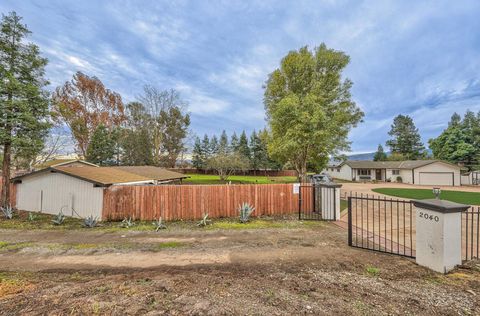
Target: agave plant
<point>159,224</point>
<point>127,222</point>
<point>32,216</point>
<point>245,211</point>
<point>90,222</point>
<point>205,221</point>
<point>59,219</point>
<point>8,211</point>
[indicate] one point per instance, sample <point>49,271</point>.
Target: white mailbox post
<point>439,234</point>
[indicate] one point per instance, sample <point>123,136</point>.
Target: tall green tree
<point>214,146</point>
<point>223,143</point>
<point>309,108</point>
<point>380,155</point>
<point>405,138</point>
<point>136,142</point>
<point>243,148</point>
<point>198,160</point>
<point>102,147</point>
<point>206,149</point>
<point>23,100</point>
<point>175,125</point>
<point>234,142</point>
<point>460,141</point>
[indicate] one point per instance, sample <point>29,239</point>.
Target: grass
<point>372,271</point>
<point>471,198</point>
<point>214,179</point>
<point>262,224</point>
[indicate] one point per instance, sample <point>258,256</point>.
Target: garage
<point>436,178</point>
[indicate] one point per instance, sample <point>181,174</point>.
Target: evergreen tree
<point>214,146</point>
<point>256,153</point>
<point>102,147</point>
<point>406,138</point>
<point>223,143</point>
<point>243,148</point>
<point>197,154</point>
<point>206,149</point>
<point>23,100</point>
<point>234,142</point>
<point>380,155</point>
<point>136,141</point>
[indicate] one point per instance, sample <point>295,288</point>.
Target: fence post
<point>439,234</point>
<point>350,221</point>
<point>330,201</point>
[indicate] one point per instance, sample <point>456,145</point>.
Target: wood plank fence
<point>173,202</point>
<point>13,193</point>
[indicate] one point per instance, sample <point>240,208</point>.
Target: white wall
<point>438,167</point>
<point>52,192</point>
<point>344,174</point>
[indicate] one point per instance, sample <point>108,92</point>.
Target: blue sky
<point>420,58</point>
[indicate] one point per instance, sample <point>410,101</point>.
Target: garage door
<point>436,178</point>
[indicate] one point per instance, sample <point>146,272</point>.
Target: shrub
<point>32,216</point>
<point>245,211</point>
<point>204,221</point>
<point>8,211</point>
<point>127,223</point>
<point>59,219</point>
<point>90,222</point>
<point>159,224</point>
<point>399,179</point>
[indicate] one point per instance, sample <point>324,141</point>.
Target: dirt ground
<point>281,271</point>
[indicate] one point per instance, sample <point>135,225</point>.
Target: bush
<point>245,211</point>
<point>399,179</point>
<point>32,216</point>
<point>159,224</point>
<point>90,222</point>
<point>59,219</point>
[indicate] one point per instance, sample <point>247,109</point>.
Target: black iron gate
<point>380,224</point>
<point>317,201</point>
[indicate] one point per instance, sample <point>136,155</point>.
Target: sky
<point>417,58</point>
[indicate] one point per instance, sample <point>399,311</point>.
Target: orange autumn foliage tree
<point>83,104</point>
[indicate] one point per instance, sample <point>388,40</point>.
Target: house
<point>77,188</point>
<point>421,172</point>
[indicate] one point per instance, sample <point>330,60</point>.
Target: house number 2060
<point>429,216</point>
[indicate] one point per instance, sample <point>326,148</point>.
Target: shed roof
<point>102,175</point>
<point>152,172</point>
<point>405,164</point>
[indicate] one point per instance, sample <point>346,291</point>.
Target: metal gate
<point>381,224</point>
<point>317,201</point>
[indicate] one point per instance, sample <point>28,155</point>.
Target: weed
<point>245,211</point>
<point>159,224</point>
<point>167,245</point>
<point>59,219</point>
<point>32,216</point>
<point>205,221</point>
<point>372,271</point>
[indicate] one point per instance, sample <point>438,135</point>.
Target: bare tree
<point>226,164</point>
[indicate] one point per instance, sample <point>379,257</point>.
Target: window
<point>363,172</point>
<point>396,172</point>
<point>338,169</point>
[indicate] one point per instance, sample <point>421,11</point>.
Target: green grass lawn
<point>471,198</point>
<point>214,179</point>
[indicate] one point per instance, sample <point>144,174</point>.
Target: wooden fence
<point>192,201</point>
<point>13,193</point>
<point>266,173</point>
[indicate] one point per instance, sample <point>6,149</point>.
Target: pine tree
<point>23,101</point>
<point>102,147</point>
<point>197,154</point>
<point>406,138</point>
<point>255,151</point>
<point>234,143</point>
<point>380,155</point>
<point>206,148</point>
<point>243,148</point>
<point>214,146</point>
<point>223,143</point>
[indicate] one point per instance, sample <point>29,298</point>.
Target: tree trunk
<point>5,198</point>
<point>302,172</point>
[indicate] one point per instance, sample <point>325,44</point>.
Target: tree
<point>198,161</point>
<point>159,105</point>
<point>23,100</point>
<point>234,142</point>
<point>135,138</point>
<point>206,153</point>
<point>460,141</point>
<point>102,147</point>
<point>175,127</point>
<point>406,138</point>
<point>214,146</point>
<point>309,108</point>
<point>242,147</point>
<point>83,104</point>
<point>380,155</point>
<point>223,143</point>
<point>226,164</point>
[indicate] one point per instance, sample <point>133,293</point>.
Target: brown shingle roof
<point>156,173</point>
<point>102,175</point>
<point>406,164</point>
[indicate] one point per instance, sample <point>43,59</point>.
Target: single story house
<point>421,172</point>
<point>77,188</point>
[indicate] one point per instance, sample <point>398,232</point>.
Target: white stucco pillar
<point>330,201</point>
<point>439,234</point>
